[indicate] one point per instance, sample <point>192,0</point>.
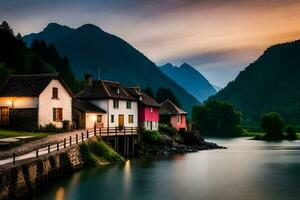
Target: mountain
<point>271,83</point>
<point>90,49</point>
<point>17,58</point>
<point>190,79</point>
<point>217,88</point>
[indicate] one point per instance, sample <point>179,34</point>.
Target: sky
<point>218,37</point>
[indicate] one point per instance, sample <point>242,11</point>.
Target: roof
<point>169,108</point>
<point>29,85</point>
<point>86,106</point>
<point>145,99</point>
<point>103,89</point>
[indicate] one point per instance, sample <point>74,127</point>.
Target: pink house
<point>171,114</point>
<point>148,109</point>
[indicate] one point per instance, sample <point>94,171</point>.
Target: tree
<point>291,133</point>
<point>217,118</point>
<point>149,92</point>
<point>163,94</point>
<point>5,26</point>
<point>272,124</point>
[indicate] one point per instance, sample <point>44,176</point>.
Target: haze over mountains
<point>90,49</point>
<point>190,79</point>
<point>271,83</point>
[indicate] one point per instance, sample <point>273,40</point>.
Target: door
<point>121,121</point>
<point>4,112</point>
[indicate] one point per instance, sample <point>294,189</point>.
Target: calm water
<point>246,170</point>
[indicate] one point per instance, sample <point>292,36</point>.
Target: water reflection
<point>246,170</point>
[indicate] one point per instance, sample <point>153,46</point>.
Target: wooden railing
<point>72,140</point>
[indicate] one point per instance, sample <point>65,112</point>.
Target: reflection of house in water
<point>30,101</point>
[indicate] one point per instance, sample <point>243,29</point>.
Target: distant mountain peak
<point>89,27</point>
<point>55,27</point>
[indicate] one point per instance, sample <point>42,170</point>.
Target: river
<point>246,170</point>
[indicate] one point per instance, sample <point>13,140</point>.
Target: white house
<point>120,106</point>
<point>29,101</point>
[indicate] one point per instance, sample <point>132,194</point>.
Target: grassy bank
<point>97,152</point>
<point>4,133</point>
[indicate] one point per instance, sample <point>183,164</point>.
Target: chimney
<point>88,80</point>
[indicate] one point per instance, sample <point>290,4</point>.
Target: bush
<point>291,133</point>
<point>86,155</point>
<point>150,137</point>
<point>167,130</point>
<point>50,128</point>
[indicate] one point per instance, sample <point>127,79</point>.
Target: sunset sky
<point>219,38</point>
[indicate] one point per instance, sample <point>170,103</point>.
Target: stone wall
<point>22,178</point>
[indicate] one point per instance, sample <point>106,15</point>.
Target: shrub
<point>86,155</point>
<point>150,137</point>
<point>51,128</point>
<point>272,124</point>
<point>166,129</point>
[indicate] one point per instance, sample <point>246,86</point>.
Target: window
<point>112,118</point>
<point>179,119</point>
<point>57,114</point>
<point>130,119</point>
<point>151,109</point>
<point>54,93</point>
<point>99,118</point>
<point>116,103</point>
<point>128,104</point>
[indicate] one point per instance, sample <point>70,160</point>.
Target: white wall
<point>19,102</point>
<point>91,119</point>
<point>147,125</point>
<point>107,105</point>
<point>46,104</point>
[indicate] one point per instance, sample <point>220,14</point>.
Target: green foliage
<point>167,130</point>
<point>272,124</point>
<point>49,128</point>
<point>291,133</point>
<point>150,137</point>
<point>149,92</point>
<point>103,150</point>
<point>86,155</point>
<point>270,84</point>
<point>163,94</point>
<point>216,118</point>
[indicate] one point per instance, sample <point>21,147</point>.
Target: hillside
<point>89,49</point>
<point>190,79</point>
<point>16,58</point>
<point>271,83</point>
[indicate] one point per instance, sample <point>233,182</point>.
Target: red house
<point>171,114</point>
<point>148,109</point>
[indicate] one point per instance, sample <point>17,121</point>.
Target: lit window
<point>99,118</point>
<point>128,104</point>
<point>54,93</point>
<point>116,103</point>
<point>57,114</point>
<point>179,119</point>
<point>112,118</point>
<point>130,119</point>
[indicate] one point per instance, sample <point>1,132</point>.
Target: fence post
<point>124,130</point>
<point>108,131</point>
<point>82,136</point>
<point>100,131</point>
<point>57,146</point>
<point>14,158</point>
<point>76,138</point>
<point>48,148</point>
<point>37,153</point>
<point>70,140</point>
<point>65,143</point>
<point>95,130</point>
<point>131,130</point>
<point>87,134</point>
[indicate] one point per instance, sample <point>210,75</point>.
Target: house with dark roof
<point>87,116</point>
<point>120,106</point>
<point>173,115</point>
<point>148,109</point>
<point>30,101</point>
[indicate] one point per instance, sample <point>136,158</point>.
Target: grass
<point>4,133</point>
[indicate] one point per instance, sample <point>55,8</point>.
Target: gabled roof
<point>142,97</point>
<point>29,85</point>
<point>169,108</point>
<point>103,89</point>
<point>86,106</point>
